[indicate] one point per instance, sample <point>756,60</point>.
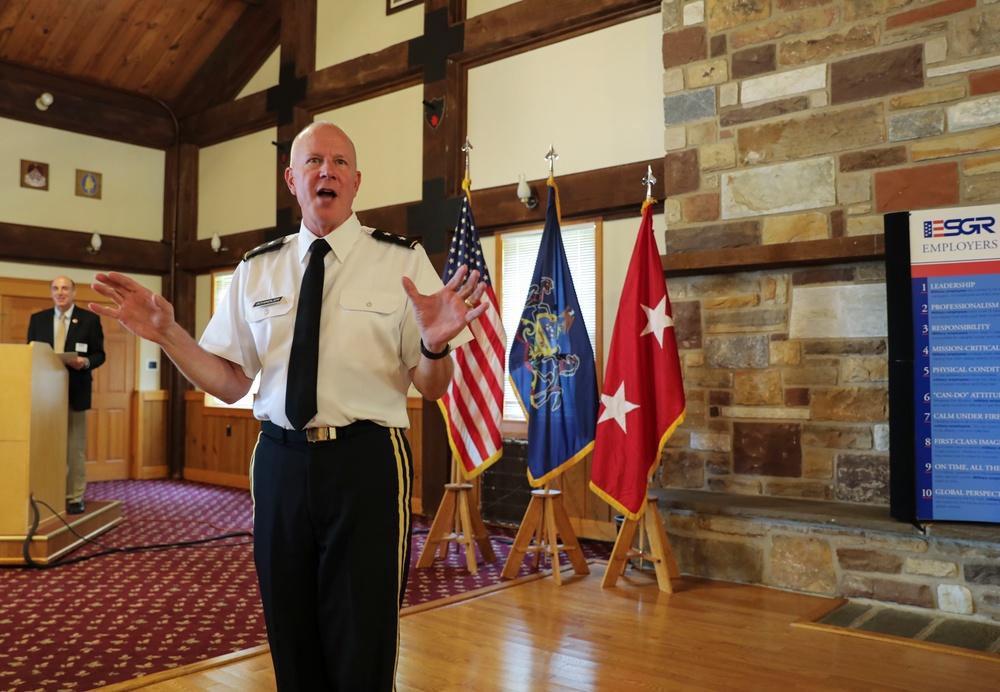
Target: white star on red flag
<point>658,320</point>
<point>616,407</point>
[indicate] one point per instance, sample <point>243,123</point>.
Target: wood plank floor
<point>707,635</point>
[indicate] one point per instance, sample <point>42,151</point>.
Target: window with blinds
<point>518,252</point>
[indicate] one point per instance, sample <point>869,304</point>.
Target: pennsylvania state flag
<point>552,363</point>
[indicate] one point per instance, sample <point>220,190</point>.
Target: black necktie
<point>303,363</point>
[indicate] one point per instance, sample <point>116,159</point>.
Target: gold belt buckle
<point>321,434</point>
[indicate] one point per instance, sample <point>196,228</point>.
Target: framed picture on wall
<point>396,5</point>
<point>34,175</point>
<point>88,184</point>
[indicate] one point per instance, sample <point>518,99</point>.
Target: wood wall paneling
<point>150,416</point>
<point>219,443</point>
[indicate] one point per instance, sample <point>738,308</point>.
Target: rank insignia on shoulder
<point>265,247</point>
<point>395,239</point>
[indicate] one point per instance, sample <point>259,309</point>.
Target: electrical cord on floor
<point>35,517</point>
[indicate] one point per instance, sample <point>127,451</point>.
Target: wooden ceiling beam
<point>227,121</point>
<point>23,243</point>
<point>85,108</point>
<point>361,78</point>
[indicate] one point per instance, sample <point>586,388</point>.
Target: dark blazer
<point>84,327</point>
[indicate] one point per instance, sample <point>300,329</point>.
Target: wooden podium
<point>33,459</point>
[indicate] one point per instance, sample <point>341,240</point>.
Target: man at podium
<point>76,333</point>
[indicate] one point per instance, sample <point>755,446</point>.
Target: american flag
<point>473,405</point>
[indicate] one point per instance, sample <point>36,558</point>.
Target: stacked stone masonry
<point>798,120</point>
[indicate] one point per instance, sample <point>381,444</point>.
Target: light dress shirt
<point>369,337</point>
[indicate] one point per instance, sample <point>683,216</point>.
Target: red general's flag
<point>473,404</point>
<point>643,398</point>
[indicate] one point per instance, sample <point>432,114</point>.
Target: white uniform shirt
<point>369,337</point>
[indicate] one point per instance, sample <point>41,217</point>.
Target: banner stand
<point>457,521</point>
<point>544,522</point>
<point>651,533</point>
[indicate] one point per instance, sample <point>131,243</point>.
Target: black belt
<point>316,434</point>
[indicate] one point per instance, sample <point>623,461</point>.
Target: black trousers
<point>332,551</point>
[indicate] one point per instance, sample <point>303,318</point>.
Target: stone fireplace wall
<point>790,121</point>
<point>785,375</point>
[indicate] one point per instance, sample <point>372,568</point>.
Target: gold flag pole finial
<point>467,182</point>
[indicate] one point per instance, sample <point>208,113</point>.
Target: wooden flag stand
<point>660,554</point>
<point>544,522</point>
<point>457,521</point>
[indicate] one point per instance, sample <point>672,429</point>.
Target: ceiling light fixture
<point>43,102</point>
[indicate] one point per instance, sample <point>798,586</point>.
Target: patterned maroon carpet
<point>124,615</point>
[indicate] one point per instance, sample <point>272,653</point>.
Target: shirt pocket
<point>373,302</point>
<point>368,330</point>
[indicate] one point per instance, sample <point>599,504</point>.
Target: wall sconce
<point>525,194</point>
<point>95,243</point>
<point>217,243</point>
<point>43,102</point>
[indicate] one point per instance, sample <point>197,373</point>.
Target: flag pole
<point>546,520</point>
<point>458,519</point>
<point>647,519</point>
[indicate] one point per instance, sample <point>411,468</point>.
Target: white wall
<point>477,7</point>
<point>347,29</point>
<point>597,99</point>
<point>266,77</point>
<point>237,185</point>
<point>131,203</point>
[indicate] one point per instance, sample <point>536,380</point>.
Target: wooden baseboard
<point>150,472</point>
<point>229,480</point>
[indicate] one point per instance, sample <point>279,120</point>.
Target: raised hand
<point>139,310</point>
<point>442,315</point>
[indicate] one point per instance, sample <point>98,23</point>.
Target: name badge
<point>80,347</point>
<point>267,301</point>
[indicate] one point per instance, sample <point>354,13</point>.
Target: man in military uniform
<point>331,470</point>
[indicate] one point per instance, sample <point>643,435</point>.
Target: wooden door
<point>109,448</point>
<point>109,421</point>
<point>17,310</point>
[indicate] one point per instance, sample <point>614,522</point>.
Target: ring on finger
<point>469,303</point>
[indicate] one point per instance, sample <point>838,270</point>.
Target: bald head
<point>63,292</point>
<point>318,125</point>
